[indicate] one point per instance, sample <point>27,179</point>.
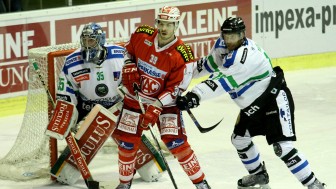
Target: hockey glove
<point>190,100</point>
<point>150,116</point>
<point>130,76</point>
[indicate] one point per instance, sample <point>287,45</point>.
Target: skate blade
<point>262,186</point>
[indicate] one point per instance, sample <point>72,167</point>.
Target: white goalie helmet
<point>170,14</point>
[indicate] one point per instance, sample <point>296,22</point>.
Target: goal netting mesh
<point>33,152</point>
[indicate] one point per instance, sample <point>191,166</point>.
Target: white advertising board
<point>290,28</point>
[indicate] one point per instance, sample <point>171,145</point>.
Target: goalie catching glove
<point>190,100</point>
<point>130,76</point>
<point>63,119</point>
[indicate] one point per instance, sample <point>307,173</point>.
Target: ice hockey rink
<point>314,92</point>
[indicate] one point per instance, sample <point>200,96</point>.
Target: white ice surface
<point>314,93</point>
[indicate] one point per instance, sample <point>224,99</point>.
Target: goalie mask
<point>168,14</point>
<point>92,41</point>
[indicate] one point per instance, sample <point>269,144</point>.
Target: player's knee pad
<point>176,145</point>
<point>128,146</point>
<point>282,148</point>
<point>240,142</point>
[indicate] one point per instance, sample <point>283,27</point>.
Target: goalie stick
<point>75,151</point>
<point>199,127</point>
<point>136,89</point>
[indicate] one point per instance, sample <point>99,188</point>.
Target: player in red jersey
<point>159,63</point>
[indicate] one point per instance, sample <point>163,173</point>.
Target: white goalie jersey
<point>86,84</point>
<point>244,73</point>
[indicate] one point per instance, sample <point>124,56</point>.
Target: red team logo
<point>149,85</point>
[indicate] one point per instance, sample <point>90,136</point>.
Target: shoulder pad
<point>145,29</point>
<point>186,52</point>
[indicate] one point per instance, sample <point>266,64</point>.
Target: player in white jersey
<point>243,70</point>
<point>92,73</point>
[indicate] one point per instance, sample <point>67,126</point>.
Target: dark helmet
<point>92,32</point>
<point>233,25</point>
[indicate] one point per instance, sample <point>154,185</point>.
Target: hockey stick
<point>136,89</point>
<point>199,127</point>
<point>75,151</point>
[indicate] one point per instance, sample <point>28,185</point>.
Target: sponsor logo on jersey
<point>150,70</point>
<point>145,29</point>
<point>101,90</point>
<point>63,97</point>
<point>147,42</point>
<point>80,72</point>
<point>72,60</point>
<point>149,85</point>
<point>186,52</point>
<point>175,143</point>
<point>251,110</point>
<point>105,102</point>
<point>116,75</point>
<point>212,85</point>
<point>117,51</point>
<point>243,58</point>
<point>271,112</point>
<point>82,78</point>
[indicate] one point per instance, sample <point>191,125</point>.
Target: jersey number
<point>100,76</point>
<point>60,85</point>
<point>153,59</point>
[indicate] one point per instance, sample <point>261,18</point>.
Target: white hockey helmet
<point>169,13</point>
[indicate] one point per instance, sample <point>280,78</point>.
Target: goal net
<point>33,152</point>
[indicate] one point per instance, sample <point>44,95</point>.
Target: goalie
<point>87,86</point>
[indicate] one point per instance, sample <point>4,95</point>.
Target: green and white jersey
<point>88,83</point>
<point>244,73</point>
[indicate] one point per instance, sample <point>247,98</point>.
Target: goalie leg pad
<point>97,127</point>
<point>149,163</point>
<point>150,172</point>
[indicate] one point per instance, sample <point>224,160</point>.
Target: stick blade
<point>205,130</point>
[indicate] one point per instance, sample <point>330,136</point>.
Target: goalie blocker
<point>63,119</point>
<point>93,132</point>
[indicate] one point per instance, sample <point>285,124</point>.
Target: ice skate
<point>257,181</point>
<point>316,185</point>
<point>203,185</point>
<point>124,186</point>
